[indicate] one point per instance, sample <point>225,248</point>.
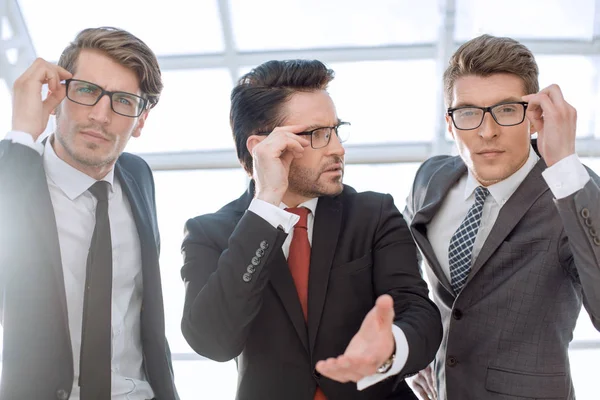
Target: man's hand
<point>30,113</point>
<point>372,345</point>
<point>272,158</point>
<point>423,384</point>
<point>555,121</point>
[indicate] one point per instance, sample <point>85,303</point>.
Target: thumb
<point>53,100</point>
<point>384,309</point>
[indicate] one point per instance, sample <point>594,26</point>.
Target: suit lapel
<point>152,291</point>
<point>42,215</point>
<point>326,229</point>
<point>440,183</point>
<point>511,213</point>
<point>283,283</point>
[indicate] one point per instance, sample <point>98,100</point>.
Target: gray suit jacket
<point>507,334</point>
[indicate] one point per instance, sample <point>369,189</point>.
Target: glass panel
<point>181,195</point>
<point>192,114</point>
<point>376,177</point>
<point>388,101</point>
<point>584,372</point>
<point>523,19</point>
<point>579,89</point>
<point>205,379</point>
<point>297,24</point>
<point>53,24</point>
<point>5,109</point>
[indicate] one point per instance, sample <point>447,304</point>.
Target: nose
<point>101,111</point>
<point>335,147</point>
<point>489,128</point>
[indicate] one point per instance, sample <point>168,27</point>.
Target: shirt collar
<point>501,191</point>
<point>68,179</point>
<point>310,204</point>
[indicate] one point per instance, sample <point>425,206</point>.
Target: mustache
<point>333,161</point>
<point>95,128</point>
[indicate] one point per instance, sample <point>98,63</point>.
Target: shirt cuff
<point>274,215</point>
<point>25,139</point>
<point>399,361</point>
<point>566,176</point>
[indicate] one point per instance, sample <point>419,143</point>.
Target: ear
<point>140,124</point>
<point>531,127</point>
<point>252,141</point>
<point>449,125</point>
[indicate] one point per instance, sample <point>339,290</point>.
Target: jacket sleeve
<point>397,274</point>
<point>580,245</point>
<point>225,283</point>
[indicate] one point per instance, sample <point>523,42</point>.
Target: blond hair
<point>487,55</point>
<point>124,48</point>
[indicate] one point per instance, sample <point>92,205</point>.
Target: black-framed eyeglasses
<point>89,94</point>
<point>505,114</point>
<point>320,137</point>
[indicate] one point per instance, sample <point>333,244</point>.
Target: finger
<point>291,128</point>
<point>555,94</point>
<point>419,391</point>
<point>384,307</point>
<point>53,100</point>
<point>335,369</point>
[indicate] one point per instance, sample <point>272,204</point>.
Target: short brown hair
<point>487,55</point>
<point>124,48</point>
<point>259,96</point>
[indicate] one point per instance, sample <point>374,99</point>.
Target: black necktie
<point>95,363</point>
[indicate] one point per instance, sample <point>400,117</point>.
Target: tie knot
<point>480,194</point>
<point>100,190</point>
<point>302,212</point>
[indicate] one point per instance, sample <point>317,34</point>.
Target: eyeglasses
<point>505,114</point>
<point>320,137</point>
<point>89,94</point>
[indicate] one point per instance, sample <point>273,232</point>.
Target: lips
<point>95,135</point>
<point>334,168</point>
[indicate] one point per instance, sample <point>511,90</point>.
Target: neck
<point>293,199</point>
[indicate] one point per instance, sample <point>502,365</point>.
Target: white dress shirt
<point>75,209</point>
<point>564,178</point>
<point>277,216</point>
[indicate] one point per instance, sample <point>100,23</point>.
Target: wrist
<point>387,364</point>
<point>269,196</point>
<point>554,159</point>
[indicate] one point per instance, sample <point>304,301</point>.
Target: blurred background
<point>388,55</point>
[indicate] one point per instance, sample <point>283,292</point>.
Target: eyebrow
<point>505,100</point>
<point>317,126</point>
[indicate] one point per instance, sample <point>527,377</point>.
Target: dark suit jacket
<point>37,360</point>
<point>361,248</point>
<point>507,334</point>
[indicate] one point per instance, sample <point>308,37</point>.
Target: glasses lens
<point>127,104</point>
<point>83,92</point>
<point>320,137</point>
<point>467,118</point>
<point>509,114</point>
<point>343,132</point>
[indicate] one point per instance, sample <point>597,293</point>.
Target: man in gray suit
<point>508,230</point>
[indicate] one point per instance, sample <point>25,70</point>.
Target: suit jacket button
<point>588,222</point>
<point>61,394</point>
<point>457,314</point>
<point>316,375</point>
<point>247,277</point>
<point>255,261</point>
<point>264,245</point>
<point>451,361</point>
<point>593,232</point>
<point>585,213</point>
<point>260,253</point>
<point>597,241</point>
<point>250,268</point>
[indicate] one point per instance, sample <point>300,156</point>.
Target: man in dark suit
<point>508,230</point>
<point>80,285</point>
<point>308,284</point>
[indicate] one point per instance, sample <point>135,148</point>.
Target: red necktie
<point>299,263</point>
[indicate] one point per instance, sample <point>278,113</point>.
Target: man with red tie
<point>312,287</point>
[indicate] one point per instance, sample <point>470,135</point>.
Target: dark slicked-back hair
<point>258,98</point>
